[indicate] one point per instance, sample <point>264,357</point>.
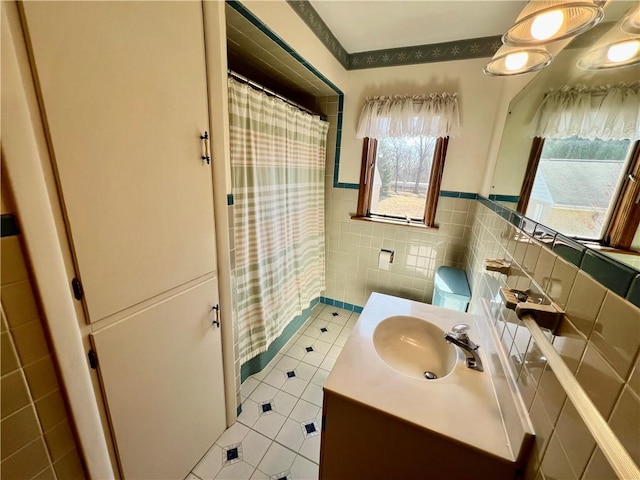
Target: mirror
<point>515,145</point>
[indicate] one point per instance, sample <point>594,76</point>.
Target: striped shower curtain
<point>277,165</point>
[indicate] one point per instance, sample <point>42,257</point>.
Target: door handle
<point>206,155</point>
<point>216,315</point>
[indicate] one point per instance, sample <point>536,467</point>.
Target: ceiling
<point>374,25</point>
<point>379,24</point>
<point>251,53</point>
<point>368,25</point>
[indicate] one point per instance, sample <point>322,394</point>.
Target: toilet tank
<point>451,289</point>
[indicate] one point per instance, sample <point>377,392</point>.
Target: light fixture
<point>619,47</point>
<point>515,61</point>
<point>546,21</point>
<point>630,22</point>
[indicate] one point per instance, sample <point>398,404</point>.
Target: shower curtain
<point>277,164</point>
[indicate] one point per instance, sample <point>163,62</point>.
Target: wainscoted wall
<point>37,439</point>
<point>353,247</point>
<point>599,341</point>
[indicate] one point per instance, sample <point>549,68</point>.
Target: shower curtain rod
<point>257,86</point>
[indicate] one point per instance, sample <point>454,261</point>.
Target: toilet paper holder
<point>385,259</point>
<point>391,252</point>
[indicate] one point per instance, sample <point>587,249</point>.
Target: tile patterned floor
<point>277,436</point>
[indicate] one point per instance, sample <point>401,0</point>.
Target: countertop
<point>460,406</point>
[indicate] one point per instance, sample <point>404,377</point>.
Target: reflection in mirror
<point>575,185</point>
<point>583,185</point>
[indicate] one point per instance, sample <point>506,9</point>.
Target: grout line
<point>619,460</point>
<point>312,318</point>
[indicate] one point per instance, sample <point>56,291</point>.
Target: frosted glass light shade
<point>615,49</point>
<point>546,21</point>
<point>515,61</point>
<point>630,22</point>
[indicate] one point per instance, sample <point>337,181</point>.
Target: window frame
<point>369,157</point>
<point>624,218</point>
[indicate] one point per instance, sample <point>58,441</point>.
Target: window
<point>400,179</point>
<point>583,176</point>
<point>405,142</point>
<point>587,189</point>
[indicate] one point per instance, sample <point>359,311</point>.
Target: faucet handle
<point>461,330</point>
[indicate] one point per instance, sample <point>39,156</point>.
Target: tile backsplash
<point>599,341</point>
<point>353,247</point>
<point>37,438</point>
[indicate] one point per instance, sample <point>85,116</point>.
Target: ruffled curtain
<point>433,115</point>
<point>604,112</point>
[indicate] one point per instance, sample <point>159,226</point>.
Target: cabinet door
<point>162,372</point>
<point>123,89</point>
<point>123,92</point>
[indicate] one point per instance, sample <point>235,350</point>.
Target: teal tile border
<point>339,304</point>
<point>482,47</point>
<point>239,410</point>
<point>613,275</point>
<point>450,194</point>
<point>505,198</point>
<point>309,15</point>
<point>230,199</point>
<point>633,295</point>
<point>242,10</point>
<point>351,186</point>
<point>258,362</point>
<point>436,52</point>
<point>9,225</point>
<point>568,249</point>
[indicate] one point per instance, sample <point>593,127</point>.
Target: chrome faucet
<point>458,336</point>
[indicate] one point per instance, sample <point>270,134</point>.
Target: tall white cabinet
<point>123,93</point>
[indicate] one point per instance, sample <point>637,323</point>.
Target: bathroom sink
<point>414,346</point>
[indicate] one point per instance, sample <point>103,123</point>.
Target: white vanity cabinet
<point>382,422</point>
<point>123,94</point>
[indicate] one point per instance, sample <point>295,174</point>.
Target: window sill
<point>605,249</point>
<point>389,221</point>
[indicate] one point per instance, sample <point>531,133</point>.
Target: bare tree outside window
<point>401,178</point>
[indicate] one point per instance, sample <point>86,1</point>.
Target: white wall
<point>516,144</point>
<point>286,23</point>
<point>478,97</point>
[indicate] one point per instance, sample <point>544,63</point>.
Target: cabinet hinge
<point>93,359</point>
<point>78,293</point>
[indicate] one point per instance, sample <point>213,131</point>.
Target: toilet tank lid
<point>452,280</point>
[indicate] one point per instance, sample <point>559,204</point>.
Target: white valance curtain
<point>432,115</point>
<point>605,112</point>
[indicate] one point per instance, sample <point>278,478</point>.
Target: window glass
<point>401,177</point>
<point>577,184</point>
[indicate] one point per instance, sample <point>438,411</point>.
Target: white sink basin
<point>413,346</point>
